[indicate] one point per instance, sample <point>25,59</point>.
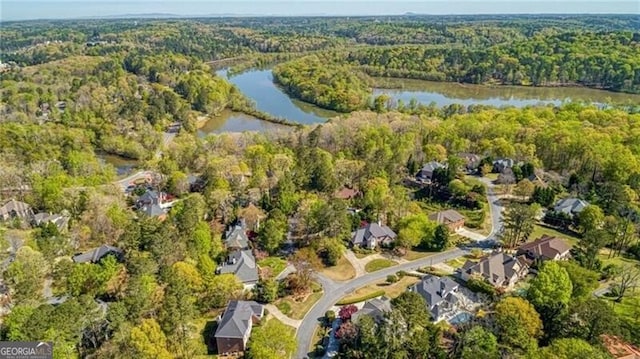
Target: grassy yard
<point>296,309</point>
<point>274,264</point>
<point>318,338</point>
<point>541,229</point>
<point>460,261</point>
<point>378,264</point>
<point>202,335</point>
<point>417,253</point>
<point>390,290</point>
<point>341,271</point>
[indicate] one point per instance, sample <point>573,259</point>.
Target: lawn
<point>541,229</point>
<point>317,339</point>
<point>275,264</point>
<point>378,264</point>
<point>297,309</point>
<point>390,290</point>
<point>459,262</point>
<point>416,253</point>
<point>201,336</point>
<point>341,271</point>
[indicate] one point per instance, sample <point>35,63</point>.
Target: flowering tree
<point>346,312</point>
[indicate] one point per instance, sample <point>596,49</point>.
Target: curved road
<point>335,291</point>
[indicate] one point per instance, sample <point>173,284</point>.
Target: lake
<point>230,121</point>
<point>123,166</point>
<point>268,97</point>
<point>447,93</point>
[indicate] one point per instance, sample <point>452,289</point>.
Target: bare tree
<point>629,279</point>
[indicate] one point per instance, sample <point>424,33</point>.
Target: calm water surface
<point>446,93</point>
<point>230,121</point>
<point>123,166</point>
<point>258,85</point>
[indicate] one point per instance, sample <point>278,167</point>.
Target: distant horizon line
<point>161,15</point>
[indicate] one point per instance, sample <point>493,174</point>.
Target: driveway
<point>471,235</point>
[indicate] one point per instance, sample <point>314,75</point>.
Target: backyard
<point>274,265</point>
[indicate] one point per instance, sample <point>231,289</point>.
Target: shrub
<point>401,274</point>
<point>392,278</point>
<point>329,317</point>
<point>480,286</point>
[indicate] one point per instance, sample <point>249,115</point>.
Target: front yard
<point>342,271</point>
<point>297,308</point>
<point>390,290</point>
<point>540,229</point>
<point>378,264</point>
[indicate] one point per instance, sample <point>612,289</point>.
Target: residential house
<point>15,209</point>
<point>450,218</point>
<point>373,235</point>
<point>347,193</point>
<point>60,220</point>
<point>570,206</point>
<point>499,269</point>
<point>242,263</point>
<point>440,293</point>
<point>502,164</point>
<point>235,325</point>
<point>545,248</point>
<point>151,203</point>
<point>374,308</point>
<point>619,348</point>
<point>426,173</point>
<point>471,161</point>
<point>236,237</point>
<point>95,255</point>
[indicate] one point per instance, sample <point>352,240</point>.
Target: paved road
<point>335,291</point>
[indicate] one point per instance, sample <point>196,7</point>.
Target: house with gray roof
<point>151,204</point>
<point>60,220</point>
<point>500,270</point>
<point>502,164</point>
<point>373,235</point>
<point>95,255</point>
<point>15,209</point>
<point>440,293</point>
<point>426,173</point>
<point>235,325</point>
<point>236,236</point>
<point>471,161</point>
<point>571,206</point>
<point>242,263</point>
<point>374,308</point>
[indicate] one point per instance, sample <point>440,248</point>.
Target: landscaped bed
<point>378,264</point>
<point>274,264</point>
<point>297,308</point>
<point>378,289</point>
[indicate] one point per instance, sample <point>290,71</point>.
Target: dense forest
<point>334,87</point>
<point>73,91</point>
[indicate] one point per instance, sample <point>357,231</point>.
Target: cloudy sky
<point>64,9</point>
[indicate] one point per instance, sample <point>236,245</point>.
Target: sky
<point>11,10</point>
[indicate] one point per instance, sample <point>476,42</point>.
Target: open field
<point>341,271</point>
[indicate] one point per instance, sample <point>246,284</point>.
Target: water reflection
<point>230,121</point>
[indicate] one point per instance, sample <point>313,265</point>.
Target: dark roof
<point>428,168</point>
<point>96,254</point>
<point>448,216</point>
<point>234,323</point>
<point>242,264</point>
<point>372,230</point>
<point>545,247</point>
<point>153,210</point>
<point>435,290</point>
<point>236,237</point>
<point>496,268</point>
